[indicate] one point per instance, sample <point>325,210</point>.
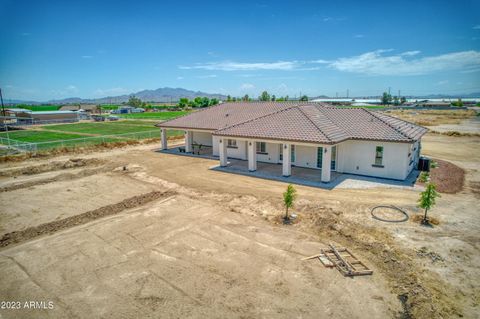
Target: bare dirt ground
<point>215,247</point>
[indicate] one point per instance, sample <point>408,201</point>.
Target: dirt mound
<point>55,226</point>
<point>423,294</point>
<point>447,177</point>
<point>52,166</point>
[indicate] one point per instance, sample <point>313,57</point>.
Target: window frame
<point>258,147</point>
<point>232,143</point>
<point>379,159</point>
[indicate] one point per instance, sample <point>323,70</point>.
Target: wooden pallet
<point>343,260</point>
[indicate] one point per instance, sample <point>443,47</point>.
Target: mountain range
<point>165,94</point>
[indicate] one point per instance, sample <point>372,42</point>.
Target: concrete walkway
<point>311,177</point>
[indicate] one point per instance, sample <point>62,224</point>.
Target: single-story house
<point>309,135</point>
<point>54,116</point>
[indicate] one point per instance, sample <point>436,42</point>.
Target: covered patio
<point>299,175</point>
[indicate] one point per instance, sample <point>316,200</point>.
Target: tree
<point>403,100</point>
<point>286,97</point>
<point>264,97</point>
<point>213,101</point>
<point>459,102</point>
<point>304,98</point>
<point>427,200</point>
<point>396,101</point>
<point>386,98</point>
<point>135,101</point>
<point>229,98</point>
<point>183,102</point>
<point>274,98</point>
<point>288,199</point>
<point>245,98</point>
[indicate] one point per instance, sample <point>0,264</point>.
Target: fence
<point>9,146</point>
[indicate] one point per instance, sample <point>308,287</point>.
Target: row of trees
<point>387,98</point>
<point>197,102</point>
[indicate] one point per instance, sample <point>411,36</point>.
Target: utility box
<point>424,164</point>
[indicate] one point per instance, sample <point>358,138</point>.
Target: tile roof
<point>303,122</point>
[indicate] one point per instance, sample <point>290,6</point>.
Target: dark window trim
<point>262,153</point>
<point>379,166</point>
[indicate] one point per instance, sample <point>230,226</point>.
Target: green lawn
<point>154,115</point>
<point>38,108</point>
<point>101,128</point>
<point>39,136</point>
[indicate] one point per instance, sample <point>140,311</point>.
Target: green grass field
<point>154,115</point>
<point>72,135</point>
<point>31,136</point>
<point>38,108</point>
<point>102,128</point>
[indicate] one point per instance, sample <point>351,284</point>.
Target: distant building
<point>90,108</point>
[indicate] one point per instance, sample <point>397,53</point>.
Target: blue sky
<point>58,49</point>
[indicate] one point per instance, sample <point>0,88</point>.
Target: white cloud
<point>320,61</point>
<point>443,82</point>
<point>476,27</point>
<point>87,56</point>
<point>411,53</point>
<point>359,36</point>
<point>180,77</point>
<point>25,34</point>
<point>247,86</point>
<point>375,63</point>
<point>238,66</point>
<point>209,76</point>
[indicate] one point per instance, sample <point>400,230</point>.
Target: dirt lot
<point>214,248</point>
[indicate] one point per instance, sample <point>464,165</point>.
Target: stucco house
<point>309,135</point>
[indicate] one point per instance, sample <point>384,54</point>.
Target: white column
<point>188,141</point>
<point>287,160</point>
<point>326,162</point>
<point>164,139</point>
<point>222,147</point>
<point>252,156</point>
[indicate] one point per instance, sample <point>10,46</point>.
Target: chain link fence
<point>10,146</point>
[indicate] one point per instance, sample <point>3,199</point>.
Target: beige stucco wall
<point>204,138</point>
<point>357,157</point>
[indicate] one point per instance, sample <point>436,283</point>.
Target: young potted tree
<point>288,199</point>
<point>427,201</point>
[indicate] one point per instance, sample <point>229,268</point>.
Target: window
<point>319,157</point>
<point>261,147</point>
<point>232,143</point>
<point>281,152</point>
<point>292,153</point>
<point>333,163</point>
<point>379,156</point>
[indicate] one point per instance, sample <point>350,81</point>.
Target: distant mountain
<point>159,95</point>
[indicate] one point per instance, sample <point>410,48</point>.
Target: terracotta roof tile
<point>306,122</point>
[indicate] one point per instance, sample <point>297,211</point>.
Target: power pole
<point>389,90</point>
<point>348,92</point>
<point>3,106</point>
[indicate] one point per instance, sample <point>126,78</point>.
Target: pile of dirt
<point>447,177</point>
<point>423,294</point>
<point>55,226</point>
<point>51,166</point>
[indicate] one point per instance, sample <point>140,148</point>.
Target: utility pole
<point>389,90</point>
<point>398,93</point>
<point>3,106</point>
<point>348,92</point>
<point>336,94</point>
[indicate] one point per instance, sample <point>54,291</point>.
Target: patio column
<point>222,148</point>
<point>287,160</point>
<point>326,162</point>
<point>188,141</point>
<point>164,138</point>
<point>252,156</point>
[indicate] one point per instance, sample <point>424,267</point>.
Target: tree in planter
<point>427,200</point>
<point>288,199</point>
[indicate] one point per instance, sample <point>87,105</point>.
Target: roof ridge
<point>383,121</point>
<point>189,113</point>
<point>257,118</point>
<point>321,131</point>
